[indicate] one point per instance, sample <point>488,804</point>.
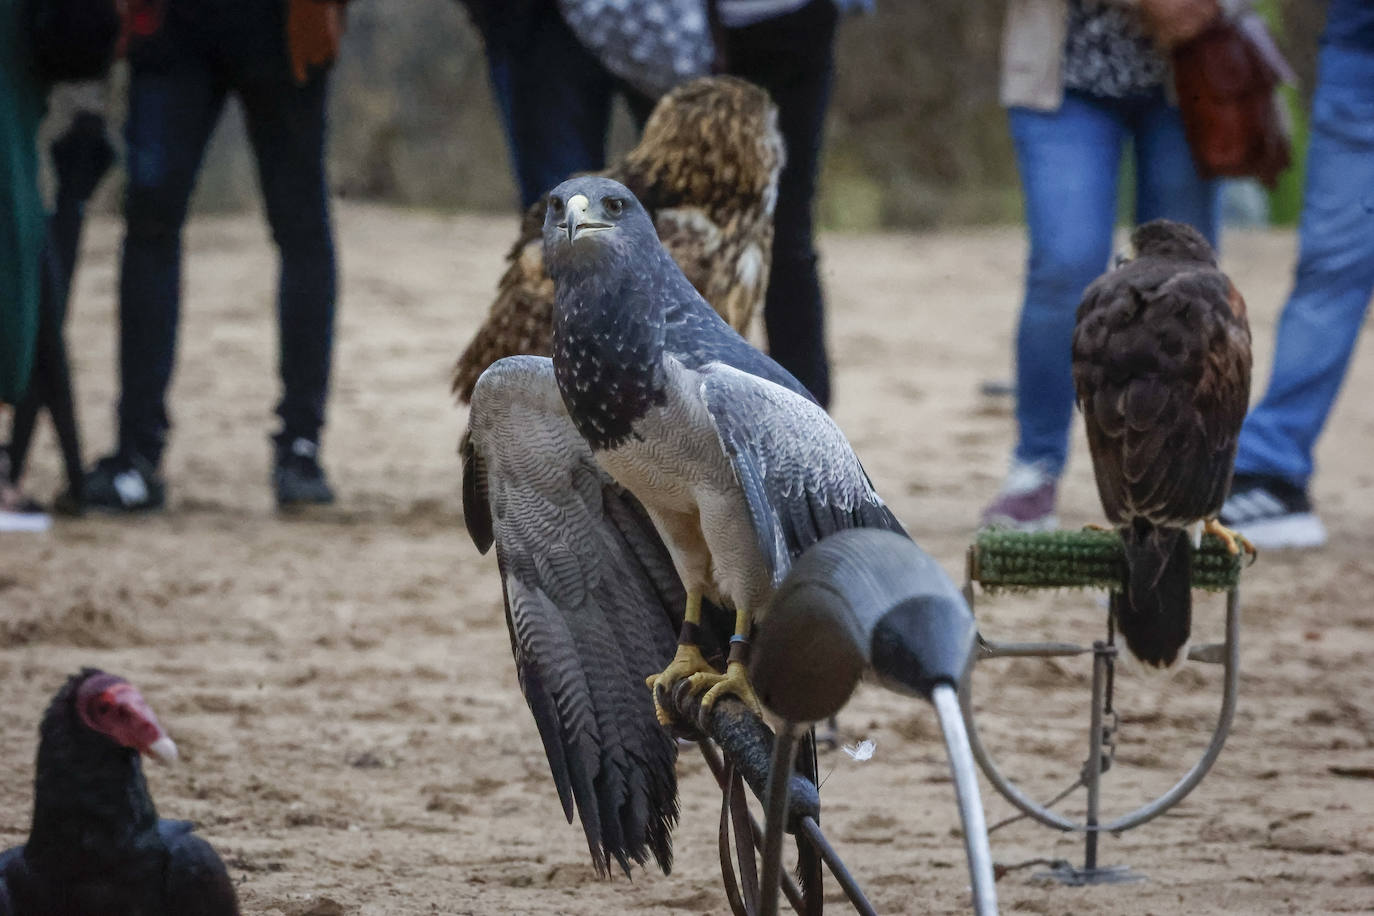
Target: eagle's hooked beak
<point>576,223</point>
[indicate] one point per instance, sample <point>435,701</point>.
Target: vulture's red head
<point>109,705</point>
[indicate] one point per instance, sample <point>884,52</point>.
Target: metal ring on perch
<point>1002,561</point>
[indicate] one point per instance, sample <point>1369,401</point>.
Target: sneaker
<point>1026,500</point>
<point>124,483</point>
<point>1272,513</point>
<point>18,513</point>
<point>298,478</point>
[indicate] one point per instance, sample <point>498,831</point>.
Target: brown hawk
<point>1161,366</point>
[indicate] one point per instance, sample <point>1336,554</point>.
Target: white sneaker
<point>1273,514</point>
<point>24,517</point>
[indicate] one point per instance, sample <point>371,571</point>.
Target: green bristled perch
<point>1013,561</point>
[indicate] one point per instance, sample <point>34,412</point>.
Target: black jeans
<point>50,385</point>
<point>177,91</point>
<point>554,96</point>
<point>792,57</point>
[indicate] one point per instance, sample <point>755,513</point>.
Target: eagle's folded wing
<point>592,603</point>
<point>800,477</point>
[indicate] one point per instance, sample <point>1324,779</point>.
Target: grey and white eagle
<point>652,408</point>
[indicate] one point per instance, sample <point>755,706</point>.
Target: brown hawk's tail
<point>1154,608</point>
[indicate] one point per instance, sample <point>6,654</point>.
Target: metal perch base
<point>1064,873</point>
<point>1006,561</point>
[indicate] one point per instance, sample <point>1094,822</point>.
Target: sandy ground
<point>342,688</point>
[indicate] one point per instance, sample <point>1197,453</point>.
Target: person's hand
<point>1173,22</point>
<point>313,30</point>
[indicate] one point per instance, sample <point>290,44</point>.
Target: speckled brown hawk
<point>706,169</point>
<point>1161,365</point>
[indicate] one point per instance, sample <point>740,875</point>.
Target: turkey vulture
<point>97,846</point>
<point>707,170</point>
<point>1161,366</point>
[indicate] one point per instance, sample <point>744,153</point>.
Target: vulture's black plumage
<point>1161,365</point>
<point>96,846</point>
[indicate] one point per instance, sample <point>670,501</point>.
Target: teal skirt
<point>22,217</point>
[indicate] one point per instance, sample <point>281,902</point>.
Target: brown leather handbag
<point>1227,80</point>
<point>314,29</point>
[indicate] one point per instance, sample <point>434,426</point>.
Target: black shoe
<point>1272,513</point>
<point>298,478</point>
<point>124,483</point>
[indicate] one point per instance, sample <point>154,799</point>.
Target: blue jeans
<point>1334,278</point>
<point>177,90</point>
<point>553,95</point>
<point>1070,161</point>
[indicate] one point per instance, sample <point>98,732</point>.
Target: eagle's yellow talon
<point>734,682</point>
<point>1093,526</point>
<point>689,663</point>
<point>1235,541</point>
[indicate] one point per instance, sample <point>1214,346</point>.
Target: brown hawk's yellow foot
<point>1235,541</point>
<point>734,682</point>
<point>688,662</point>
<point>1093,526</point>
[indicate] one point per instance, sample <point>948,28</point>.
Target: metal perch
<point>867,602</point>
<point>859,603</point>
<point>1005,561</point>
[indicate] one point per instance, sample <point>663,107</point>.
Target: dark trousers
<point>554,96</point>
<point>50,385</point>
<point>176,94</point>
<point>792,57</point>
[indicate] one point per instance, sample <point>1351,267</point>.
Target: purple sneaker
<point>1026,500</point>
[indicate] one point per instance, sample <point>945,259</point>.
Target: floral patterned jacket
<point>1033,48</point>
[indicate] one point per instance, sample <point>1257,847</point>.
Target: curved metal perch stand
<point>860,602</point>
<point>1007,561</point>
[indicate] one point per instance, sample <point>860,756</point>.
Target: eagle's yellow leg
<point>1094,526</point>
<point>688,662</point>
<point>735,680</point>
<point>1235,541</point>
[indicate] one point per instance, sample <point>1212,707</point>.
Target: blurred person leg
<point>51,385</point>
<point>1069,161</point>
<point>553,95</point>
<point>173,107</point>
<point>1321,321</point>
<point>287,128</point>
<point>1168,185</point>
<point>792,56</point>
<point>81,156</point>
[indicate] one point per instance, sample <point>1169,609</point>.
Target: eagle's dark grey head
<point>591,221</point>
<point>611,278</point>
